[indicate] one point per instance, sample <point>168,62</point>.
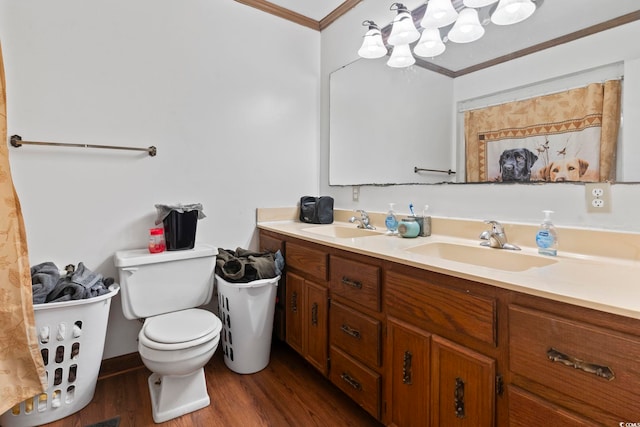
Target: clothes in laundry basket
<point>243,265</point>
<point>49,286</point>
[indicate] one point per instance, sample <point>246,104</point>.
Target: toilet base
<point>176,395</point>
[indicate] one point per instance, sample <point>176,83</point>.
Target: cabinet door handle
<point>294,302</point>
<point>598,370</point>
<point>314,314</point>
<point>349,380</point>
<point>350,331</point>
<point>458,398</point>
<point>406,367</point>
<point>353,283</point>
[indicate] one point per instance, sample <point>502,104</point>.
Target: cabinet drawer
<point>595,365</point>
<point>423,303</point>
<point>358,382</point>
<point>356,281</point>
<point>311,261</point>
<point>355,333</point>
<point>526,410</point>
<point>270,243</point>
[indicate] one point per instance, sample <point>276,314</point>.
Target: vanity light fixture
<point>372,46</point>
<point>430,43</point>
<point>458,20</point>
<point>439,13</point>
<point>512,11</point>
<point>403,30</point>
<point>401,57</point>
<point>467,27</point>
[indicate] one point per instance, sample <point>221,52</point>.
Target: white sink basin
<point>332,230</point>
<point>499,259</point>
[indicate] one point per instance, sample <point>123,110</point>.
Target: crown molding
<point>292,16</point>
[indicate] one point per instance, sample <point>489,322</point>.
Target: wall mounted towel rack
<point>16,141</point>
<point>448,172</point>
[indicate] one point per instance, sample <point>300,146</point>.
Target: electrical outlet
<point>356,193</point>
<point>598,197</point>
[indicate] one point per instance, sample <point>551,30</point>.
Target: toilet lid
<point>181,326</point>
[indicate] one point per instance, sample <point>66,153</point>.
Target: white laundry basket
<point>246,311</point>
<point>72,351</point>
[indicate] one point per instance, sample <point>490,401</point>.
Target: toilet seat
<point>180,329</point>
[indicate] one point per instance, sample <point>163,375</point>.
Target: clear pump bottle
<point>391,221</point>
<point>547,236</point>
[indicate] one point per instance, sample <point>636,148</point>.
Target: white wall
<point>506,202</point>
<point>229,95</point>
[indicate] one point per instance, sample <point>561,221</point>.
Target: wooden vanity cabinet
<point>456,352</point>
<point>453,382</point>
<point>307,303</point>
<point>355,330</point>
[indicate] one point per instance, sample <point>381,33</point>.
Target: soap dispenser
<point>391,221</point>
<point>547,236</point>
<point>425,230</point>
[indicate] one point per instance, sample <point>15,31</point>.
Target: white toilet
<point>177,339</point>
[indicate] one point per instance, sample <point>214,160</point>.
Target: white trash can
<point>246,311</point>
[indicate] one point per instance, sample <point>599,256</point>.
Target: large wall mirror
<point>385,122</point>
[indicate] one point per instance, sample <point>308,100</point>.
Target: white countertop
<point>606,283</point>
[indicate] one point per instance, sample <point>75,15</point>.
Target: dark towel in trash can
<point>242,265</point>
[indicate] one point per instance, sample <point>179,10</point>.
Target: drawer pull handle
<point>350,331</point>
<point>458,398</point>
<point>349,380</point>
<point>406,368</point>
<point>294,302</point>
<point>352,283</point>
<point>314,314</point>
<point>600,371</point>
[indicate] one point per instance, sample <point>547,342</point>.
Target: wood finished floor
<point>286,393</point>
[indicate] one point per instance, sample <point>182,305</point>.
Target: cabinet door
<point>316,325</point>
<point>273,244</point>
<point>294,311</point>
<point>408,375</point>
<point>463,386</point>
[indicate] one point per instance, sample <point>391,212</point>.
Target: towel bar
<point>448,172</point>
<point>16,141</point>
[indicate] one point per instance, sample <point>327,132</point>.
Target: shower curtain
<point>22,373</point>
<point>575,127</point>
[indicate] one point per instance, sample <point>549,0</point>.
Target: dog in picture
<point>573,169</point>
<point>515,165</point>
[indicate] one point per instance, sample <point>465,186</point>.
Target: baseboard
<point>120,365</point>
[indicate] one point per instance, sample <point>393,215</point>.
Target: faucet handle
<point>495,226</point>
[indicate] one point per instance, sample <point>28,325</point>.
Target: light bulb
<point>401,57</point>
<point>372,45</point>
<point>512,11</point>
<point>439,13</point>
<point>430,44</point>
<point>403,30</point>
<point>478,3</point>
<point>467,27</point>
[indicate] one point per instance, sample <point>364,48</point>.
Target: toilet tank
<point>152,284</point>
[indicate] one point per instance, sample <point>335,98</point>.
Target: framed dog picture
<point>568,136</point>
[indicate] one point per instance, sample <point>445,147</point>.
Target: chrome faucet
<point>363,220</point>
<point>496,237</point>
